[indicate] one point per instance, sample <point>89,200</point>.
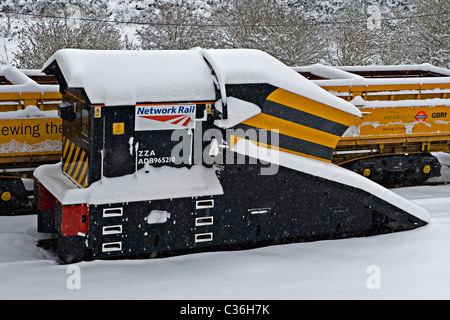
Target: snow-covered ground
<point>405,265</point>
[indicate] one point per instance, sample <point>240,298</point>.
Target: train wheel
<point>367,169</point>
<point>6,196</point>
<point>13,195</point>
<point>398,169</point>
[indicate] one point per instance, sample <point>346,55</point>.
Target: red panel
<point>46,200</point>
<point>75,219</point>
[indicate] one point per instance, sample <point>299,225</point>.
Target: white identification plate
<point>164,117</point>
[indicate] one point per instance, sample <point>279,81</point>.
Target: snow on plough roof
<point>114,78</point>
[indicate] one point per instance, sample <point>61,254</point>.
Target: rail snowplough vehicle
<point>405,119</point>
<point>30,133</point>
<point>191,150</point>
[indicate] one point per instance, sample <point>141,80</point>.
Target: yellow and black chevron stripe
<point>75,163</point>
<point>306,127</point>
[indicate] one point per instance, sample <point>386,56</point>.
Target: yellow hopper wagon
<point>30,133</point>
<point>405,119</point>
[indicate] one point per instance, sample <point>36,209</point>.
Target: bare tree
<point>41,37</point>
<point>431,27</point>
<point>175,24</point>
<point>275,27</point>
<point>350,40</point>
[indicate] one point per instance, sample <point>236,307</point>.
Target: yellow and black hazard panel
<point>75,163</point>
<point>305,127</point>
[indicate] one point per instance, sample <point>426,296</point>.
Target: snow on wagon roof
<point>375,75</point>
<point>19,81</point>
<point>126,77</point>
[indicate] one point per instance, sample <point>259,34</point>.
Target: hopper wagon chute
<point>187,150</point>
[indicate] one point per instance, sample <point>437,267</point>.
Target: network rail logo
<point>164,117</point>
